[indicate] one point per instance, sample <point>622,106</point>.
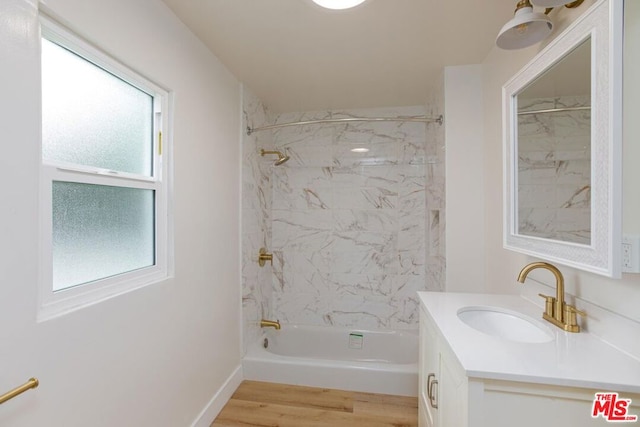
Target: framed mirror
<point>562,144</point>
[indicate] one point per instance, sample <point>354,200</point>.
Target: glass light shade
<point>338,4</point>
<point>526,28</point>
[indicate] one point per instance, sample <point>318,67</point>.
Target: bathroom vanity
<point>491,360</point>
<point>496,371</point>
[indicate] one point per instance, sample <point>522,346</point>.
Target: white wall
<point>503,266</point>
<point>631,132</point>
<point>156,356</point>
<point>464,179</point>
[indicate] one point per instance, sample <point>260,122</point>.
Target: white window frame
<point>53,304</point>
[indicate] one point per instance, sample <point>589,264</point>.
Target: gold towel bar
<point>32,383</point>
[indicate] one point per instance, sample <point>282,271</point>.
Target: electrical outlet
<point>631,253</point>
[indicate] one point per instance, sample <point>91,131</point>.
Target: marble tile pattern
<point>256,218</point>
<point>435,193</point>
<point>554,152</point>
<point>349,231</point>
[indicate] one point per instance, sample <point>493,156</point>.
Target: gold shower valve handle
<point>263,257</point>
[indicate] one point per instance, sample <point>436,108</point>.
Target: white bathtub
<point>346,359</point>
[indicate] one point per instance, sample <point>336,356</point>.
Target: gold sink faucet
<point>556,310</point>
<point>270,324</point>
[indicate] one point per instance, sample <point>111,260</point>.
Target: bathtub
<point>383,362</point>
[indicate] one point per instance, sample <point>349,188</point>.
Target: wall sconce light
<point>527,27</point>
<point>557,3</point>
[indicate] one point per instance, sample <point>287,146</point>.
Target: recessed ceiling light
<point>360,150</point>
<point>338,4</point>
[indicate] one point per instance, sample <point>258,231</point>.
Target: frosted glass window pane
<point>100,231</point>
<point>91,117</point>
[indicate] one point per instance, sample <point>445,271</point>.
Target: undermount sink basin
<point>505,324</point>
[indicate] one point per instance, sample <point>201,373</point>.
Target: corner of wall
<point>217,402</point>
<point>465,233</point>
<point>435,229</point>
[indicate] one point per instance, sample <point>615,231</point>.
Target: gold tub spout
<point>270,324</point>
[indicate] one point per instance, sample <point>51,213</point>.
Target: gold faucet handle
<point>549,303</point>
<point>570,318</point>
<point>264,256</point>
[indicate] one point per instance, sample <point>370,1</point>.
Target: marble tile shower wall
<point>349,229</point>
<point>256,218</point>
<point>435,194</point>
<point>554,166</point>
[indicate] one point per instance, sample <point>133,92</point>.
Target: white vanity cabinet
<point>443,385</point>
<point>429,370</point>
<point>449,397</point>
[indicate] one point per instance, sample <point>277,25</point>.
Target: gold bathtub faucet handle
<point>264,256</point>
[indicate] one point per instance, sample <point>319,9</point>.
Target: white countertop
<point>570,359</point>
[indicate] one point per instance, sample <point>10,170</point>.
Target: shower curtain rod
<point>438,120</point>
<point>553,110</point>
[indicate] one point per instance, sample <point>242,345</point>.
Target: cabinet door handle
<point>430,378</point>
<point>433,394</point>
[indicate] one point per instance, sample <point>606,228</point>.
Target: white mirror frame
<point>603,22</point>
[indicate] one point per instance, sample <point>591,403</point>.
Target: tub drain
<point>265,343</point>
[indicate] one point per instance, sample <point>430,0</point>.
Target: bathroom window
<point>104,191</point>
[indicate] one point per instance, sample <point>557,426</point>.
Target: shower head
<point>282,158</point>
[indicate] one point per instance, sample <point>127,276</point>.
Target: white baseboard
<point>217,402</point>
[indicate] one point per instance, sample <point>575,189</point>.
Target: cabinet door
<point>428,372</point>
<point>452,392</point>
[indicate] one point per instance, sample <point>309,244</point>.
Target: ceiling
<point>296,56</point>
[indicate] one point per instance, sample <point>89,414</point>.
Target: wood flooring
<point>278,405</point>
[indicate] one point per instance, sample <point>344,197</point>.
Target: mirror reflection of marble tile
<point>554,170</point>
